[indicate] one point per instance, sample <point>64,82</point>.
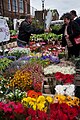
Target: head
<point>73,13</point>
<point>28,18</point>
<point>67,18</point>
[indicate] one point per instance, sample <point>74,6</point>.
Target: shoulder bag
<point>77,39</point>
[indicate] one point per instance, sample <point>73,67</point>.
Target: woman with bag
<point>70,30</point>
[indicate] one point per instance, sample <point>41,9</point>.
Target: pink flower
<point>19,109</point>
<point>6,108</point>
<point>12,117</point>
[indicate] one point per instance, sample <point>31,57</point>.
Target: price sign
<point>4,31</point>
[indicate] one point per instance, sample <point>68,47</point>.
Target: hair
<point>68,16</point>
<point>28,16</point>
<point>73,12</point>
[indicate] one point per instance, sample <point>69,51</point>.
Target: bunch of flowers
<point>21,80</point>
<point>35,58</point>
<point>64,78</point>
<point>13,58</point>
<point>40,60</point>
<point>28,77</point>
<point>33,94</point>
<point>57,112</point>
<point>36,71</point>
<point>36,115</point>
<point>42,108</point>
<point>69,100</point>
<point>12,111</point>
<point>65,89</point>
<point>58,107</point>
<point>15,95</point>
<point>57,68</point>
<point>63,112</point>
<point>39,103</point>
<point>18,52</point>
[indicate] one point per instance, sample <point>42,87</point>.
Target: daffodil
<point>32,101</point>
<point>49,99</point>
<point>40,106</point>
<point>41,99</point>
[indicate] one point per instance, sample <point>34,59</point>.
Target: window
<point>9,5</point>
<point>15,6</point>
<point>21,10</point>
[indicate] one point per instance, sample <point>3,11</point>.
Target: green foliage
<point>3,86</point>
<point>44,63</point>
<point>56,27</point>
<point>4,63</point>
<point>13,32</point>
<point>46,36</point>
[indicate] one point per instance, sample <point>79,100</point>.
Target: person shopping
<point>69,30</point>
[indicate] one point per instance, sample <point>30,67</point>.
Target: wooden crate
<point>77,80</point>
<point>49,85</point>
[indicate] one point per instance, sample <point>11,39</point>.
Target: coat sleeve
<point>28,28</point>
<point>75,30</point>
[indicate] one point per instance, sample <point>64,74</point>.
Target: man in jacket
<point>25,31</point>
<point>75,17</point>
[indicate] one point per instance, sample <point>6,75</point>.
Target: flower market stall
<point>38,83</point>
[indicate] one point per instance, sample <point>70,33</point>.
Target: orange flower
<point>39,93</point>
<point>33,94</point>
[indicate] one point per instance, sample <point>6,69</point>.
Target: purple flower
<point>11,57</point>
<point>1,56</point>
<point>44,57</point>
<point>25,58</point>
<point>54,59</point>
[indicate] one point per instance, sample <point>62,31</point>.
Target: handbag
<point>77,40</point>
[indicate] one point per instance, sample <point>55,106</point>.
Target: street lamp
<point>43,13</point>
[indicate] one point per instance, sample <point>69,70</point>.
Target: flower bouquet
<point>28,77</point>
<point>18,52</point>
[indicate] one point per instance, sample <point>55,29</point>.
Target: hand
<point>47,30</point>
<point>66,36</point>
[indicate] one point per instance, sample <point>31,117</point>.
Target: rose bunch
<point>64,78</point>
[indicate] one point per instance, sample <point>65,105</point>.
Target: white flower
<point>56,68</point>
<point>65,89</point>
<point>59,89</point>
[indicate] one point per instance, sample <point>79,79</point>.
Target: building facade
<point>14,8</point>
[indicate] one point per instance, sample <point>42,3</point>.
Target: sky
<point>62,6</point>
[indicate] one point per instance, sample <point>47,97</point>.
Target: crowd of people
<point>69,30</point>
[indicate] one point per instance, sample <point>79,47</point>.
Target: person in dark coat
<point>25,31</point>
<point>75,17</point>
<point>69,30</point>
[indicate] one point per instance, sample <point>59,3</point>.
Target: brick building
<point>14,8</point>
